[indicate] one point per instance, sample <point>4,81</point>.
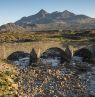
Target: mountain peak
<point>66,11</point>
<point>67,14</point>
<point>42,11</point>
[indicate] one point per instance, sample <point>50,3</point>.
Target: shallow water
<point>51,61</point>
<point>24,62</point>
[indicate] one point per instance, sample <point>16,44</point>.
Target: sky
<point>13,10</point>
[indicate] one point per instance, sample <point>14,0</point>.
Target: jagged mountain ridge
<point>43,17</point>
<point>51,21</point>
<point>67,20</point>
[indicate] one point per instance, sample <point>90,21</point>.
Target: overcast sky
<point>12,10</point>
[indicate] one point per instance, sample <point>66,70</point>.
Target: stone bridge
<point>7,49</point>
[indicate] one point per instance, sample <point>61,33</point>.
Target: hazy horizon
<point>13,10</point>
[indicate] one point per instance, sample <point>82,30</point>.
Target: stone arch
<point>15,56</point>
<point>85,54</point>
<point>55,52</point>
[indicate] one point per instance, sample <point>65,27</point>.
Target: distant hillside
<point>11,27</point>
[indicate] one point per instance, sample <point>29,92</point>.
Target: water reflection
<point>23,62</point>
<point>51,61</point>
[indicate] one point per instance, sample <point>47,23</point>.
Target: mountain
<point>37,18</point>
<point>43,17</point>
<point>43,21</point>
<point>56,20</point>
